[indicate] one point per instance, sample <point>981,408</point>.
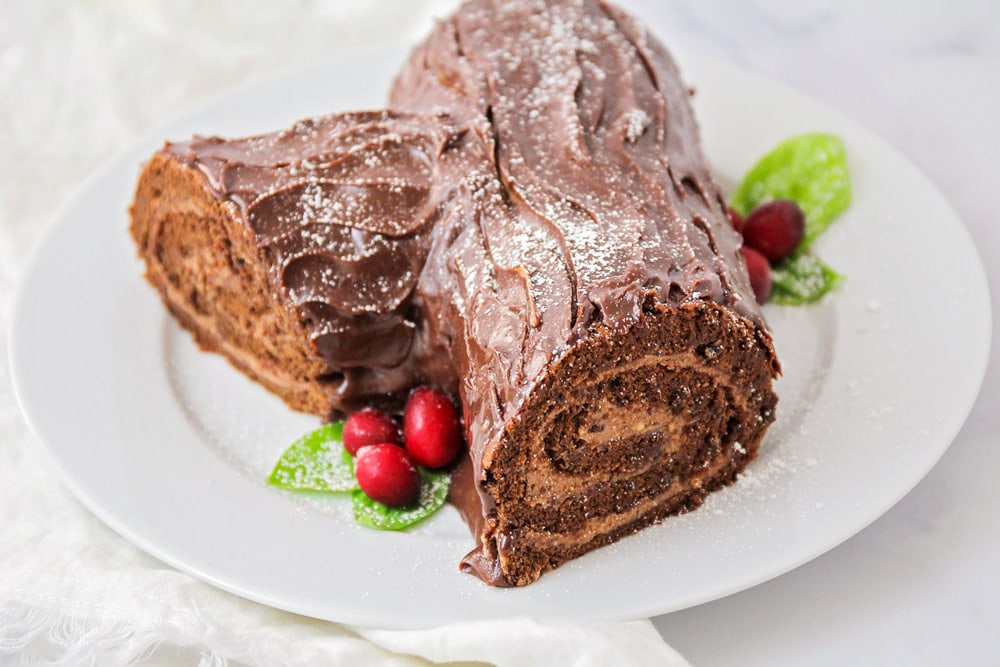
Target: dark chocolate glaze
<point>582,194</point>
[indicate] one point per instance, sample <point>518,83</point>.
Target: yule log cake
<point>534,227</point>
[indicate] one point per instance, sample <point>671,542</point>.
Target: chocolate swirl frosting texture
<point>586,124</point>
<point>342,208</point>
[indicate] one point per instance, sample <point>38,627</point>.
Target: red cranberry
<point>774,229</point>
<point>431,432</point>
<point>735,219</point>
<point>369,427</point>
<point>387,474</point>
<point>760,273</point>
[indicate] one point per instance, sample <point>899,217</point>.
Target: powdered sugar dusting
<point>637,122</point>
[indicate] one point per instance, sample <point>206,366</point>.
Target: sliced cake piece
<point>296,254</point>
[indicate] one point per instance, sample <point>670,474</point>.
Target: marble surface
<point>920,586</point>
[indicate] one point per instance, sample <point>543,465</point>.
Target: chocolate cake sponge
<point>296,254</point>
<point>538,232</point>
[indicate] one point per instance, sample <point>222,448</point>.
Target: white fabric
<point>79,81</point>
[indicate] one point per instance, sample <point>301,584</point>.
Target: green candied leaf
<point>316,462</point>
<point>433,493</point>
<point>810,169</point>
<point>802,278</point>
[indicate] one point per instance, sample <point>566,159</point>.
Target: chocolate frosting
<point>586,198</point>
<point>342,208</point>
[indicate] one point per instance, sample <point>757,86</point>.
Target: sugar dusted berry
<point>369,427</point>
<point>774,229</point>
<point>760,273</point>
<point>431,432</point>
<point>387,473</point>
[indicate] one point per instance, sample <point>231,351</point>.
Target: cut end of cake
<point>206,266</point>
<point>626,429</point>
